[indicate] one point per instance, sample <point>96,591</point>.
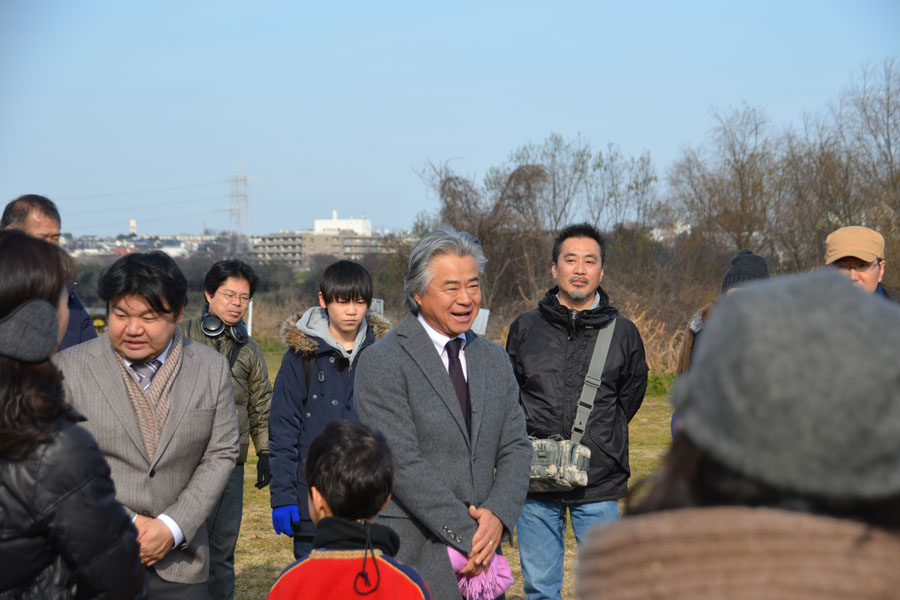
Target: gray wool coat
<point>403,390</point>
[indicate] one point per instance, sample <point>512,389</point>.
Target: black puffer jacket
<point>550,348</point>
<point>62,533</point>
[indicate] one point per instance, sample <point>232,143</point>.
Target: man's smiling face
<point>453,297</point>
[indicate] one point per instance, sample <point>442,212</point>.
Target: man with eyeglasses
<point>858,253</point>
<point>228,287</point>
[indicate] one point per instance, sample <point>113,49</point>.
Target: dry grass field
<point>261,555</point>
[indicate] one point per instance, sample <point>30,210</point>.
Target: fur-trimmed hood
<point>306,345</point>
<point>698,319</point>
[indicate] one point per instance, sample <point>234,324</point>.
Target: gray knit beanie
<point>745,266</point>
<point>29,332</point>
<point>795,383</point>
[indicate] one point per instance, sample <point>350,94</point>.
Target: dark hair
<point>691,477</point>
<point>16,212</point>
<point>346,280</point>
<point>352,468</point>
<point>224,269</point>
<point>585,230</point>
<point>154,276</point>
<point>31,395</point>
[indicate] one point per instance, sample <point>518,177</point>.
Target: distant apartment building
<point>342,238</point>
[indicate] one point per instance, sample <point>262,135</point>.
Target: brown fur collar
<point>304,345</point>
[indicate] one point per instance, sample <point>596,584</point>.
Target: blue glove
<point>283,516</point>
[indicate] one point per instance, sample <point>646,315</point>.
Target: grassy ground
<point>261,555</point>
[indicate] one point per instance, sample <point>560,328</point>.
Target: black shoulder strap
<point>309,362</point>
<point>232,356</point>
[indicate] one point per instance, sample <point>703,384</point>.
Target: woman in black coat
<point>62,533</point>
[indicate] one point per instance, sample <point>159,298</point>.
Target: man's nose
<point>463,297</point>
<point>133,327</point>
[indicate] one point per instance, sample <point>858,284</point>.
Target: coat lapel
<point>182,390</point>
<point>418,345</point>
<point>108,376</point>
<point>476,381</point>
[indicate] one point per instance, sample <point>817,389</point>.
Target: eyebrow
<point>457,282</point>
<point>119,308</point>
<point>588,255</point>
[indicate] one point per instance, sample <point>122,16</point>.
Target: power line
<point>121,208</point>
<point>138,192</point>
<point>151,220</point>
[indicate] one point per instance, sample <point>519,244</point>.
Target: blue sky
<point>143,110</point>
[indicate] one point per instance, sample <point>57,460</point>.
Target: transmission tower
<point>239,209</point>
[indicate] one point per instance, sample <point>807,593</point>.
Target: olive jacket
<point>252,388</point>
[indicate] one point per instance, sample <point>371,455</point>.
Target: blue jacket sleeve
<point>285,420</point>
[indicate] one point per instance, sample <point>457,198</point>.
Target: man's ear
<point>180,316</point>
<point>322,302</point>
<point>208,297</point>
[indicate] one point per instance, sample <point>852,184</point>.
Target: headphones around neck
<point>213,327</point>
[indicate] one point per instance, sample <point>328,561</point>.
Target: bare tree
<point>620,189</point>
<point>728,190</point>
<point>567,167</point>
<point>868,120</point>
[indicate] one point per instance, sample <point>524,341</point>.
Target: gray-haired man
<point>448,403</point>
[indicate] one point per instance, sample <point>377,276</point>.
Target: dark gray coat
<point>403,390</point>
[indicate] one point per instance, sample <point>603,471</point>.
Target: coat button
<point>331,359</point>
<point>334,402</point>
<point>315,396</point>
<point>152,472</point>
<point>308,415</point>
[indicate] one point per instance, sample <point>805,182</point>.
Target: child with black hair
<point>350,475</point>
<point>315,386</point>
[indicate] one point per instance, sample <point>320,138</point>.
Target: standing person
<point>315,386</point>
<point>38,217</point>
<point>858,253</point>
<point>162,410</point>
<point>63,535</point>
<point>448,404</point>
<point>785,479</point>
<point>229,286</point>
<point>551,348</point>
<point>745,267</point>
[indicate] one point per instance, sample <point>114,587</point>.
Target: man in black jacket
<point>38,217</point>
<point>551,348</point>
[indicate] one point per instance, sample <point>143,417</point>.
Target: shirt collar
<point>161,358</point>
<point>437,338</point>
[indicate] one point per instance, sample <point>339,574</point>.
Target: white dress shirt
<point>440,342</point>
